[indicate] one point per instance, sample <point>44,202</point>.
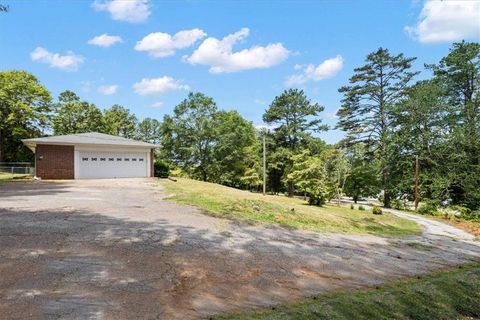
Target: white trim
<point>85,147</point>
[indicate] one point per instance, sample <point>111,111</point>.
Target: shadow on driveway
<point>81,265</point>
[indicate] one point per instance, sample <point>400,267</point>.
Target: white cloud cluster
<point>158,104</point>
<point>219,55</point>
<point>68,62</point>
<point>447,21</point>
<point>324,70</point>
<point>108,90</point>
<point>133,11</point>
<point>105,40</point>
<point>159,44</point>
<point>158,86</point>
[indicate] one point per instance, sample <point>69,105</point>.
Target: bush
<point>361,208</point>
<point>352,206</point>
<point>161,169</point>
<point>471,215</point>
<point>397,204</point>
<point>377,210</point>
<point>318,195</point>
<point>428,208</point>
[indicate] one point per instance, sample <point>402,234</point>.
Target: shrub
<point>471,215</point>
<point>318,195</point>
<point>161,169</point>
<point>428,208</point>
<point>361,208</point>
<point>352,206</point>
<point>377,210</point>
<point>397,204</point>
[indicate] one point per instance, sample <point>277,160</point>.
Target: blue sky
<point>244,72</point>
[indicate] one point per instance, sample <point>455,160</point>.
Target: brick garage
<point>54,161</point>
<point>91,156</point>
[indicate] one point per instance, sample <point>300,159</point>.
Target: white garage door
<point>94,165</point>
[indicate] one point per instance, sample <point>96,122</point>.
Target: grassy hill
<point>230,203</point>
<point>446,295</point>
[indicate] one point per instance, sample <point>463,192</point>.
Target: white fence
<point>17,168</point>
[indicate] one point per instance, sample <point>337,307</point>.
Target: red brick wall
<point>54,162</point>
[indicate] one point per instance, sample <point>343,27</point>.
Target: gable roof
<point>94,138</point>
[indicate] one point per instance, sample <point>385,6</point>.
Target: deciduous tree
<point>25,105</point>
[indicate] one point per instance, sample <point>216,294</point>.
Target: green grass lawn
<point>230,203</point>
<point>447,295</point>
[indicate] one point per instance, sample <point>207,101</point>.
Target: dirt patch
<point>469,226</point>
<point>115,250</point>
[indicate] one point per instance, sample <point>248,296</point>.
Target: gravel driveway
<point>115,249</point>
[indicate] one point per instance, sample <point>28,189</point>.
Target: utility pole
<point>417,178</point>
<point>264,165</point>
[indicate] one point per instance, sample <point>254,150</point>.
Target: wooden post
<point>417,178</point>
<point>264,166</point>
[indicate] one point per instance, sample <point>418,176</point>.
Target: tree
<point>148,130</point>
<point>75,116</point>
<point>25,105</point>
<point>365,113</point>
<point>422,125</point>
<point>188,137</point>
<point>234,138</point>
<point>295,117</point>
<point>120,122</point>
<point>362,179</point>
<point>308,174</point>
<point>337,170</point>
<point>459,74</point>
<point>252,177</point>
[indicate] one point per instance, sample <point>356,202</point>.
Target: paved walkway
<point>114,249</point>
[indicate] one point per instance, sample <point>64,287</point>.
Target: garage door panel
<point>112,165</point>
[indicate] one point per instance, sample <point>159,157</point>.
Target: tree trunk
<point>291,189</point>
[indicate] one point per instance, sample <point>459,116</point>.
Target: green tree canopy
<point>188,137</point>
<point>308,173</point>
<point>295,118</point>
<point>148,130</point>
<point>235,138</point>
<point>459,74</point>
<point>75,116</point>
<point>120,122</point>
<point>25,106</point>
<point>365,113</point>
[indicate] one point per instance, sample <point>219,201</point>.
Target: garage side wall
<point>54,161</point>
<point>152,162</point>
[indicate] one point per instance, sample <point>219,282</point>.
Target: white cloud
<point>447,21</point>
<point>105,40</point>
<point>108,90</point>
<point>324,70</point>
<point>133,11</point>
<point>68,62</point>
<point>159,44</point>
<point>219,56</point>
<point>158,86</point>
<point>157,105</point>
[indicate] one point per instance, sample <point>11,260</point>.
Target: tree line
<point>388,118</point>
